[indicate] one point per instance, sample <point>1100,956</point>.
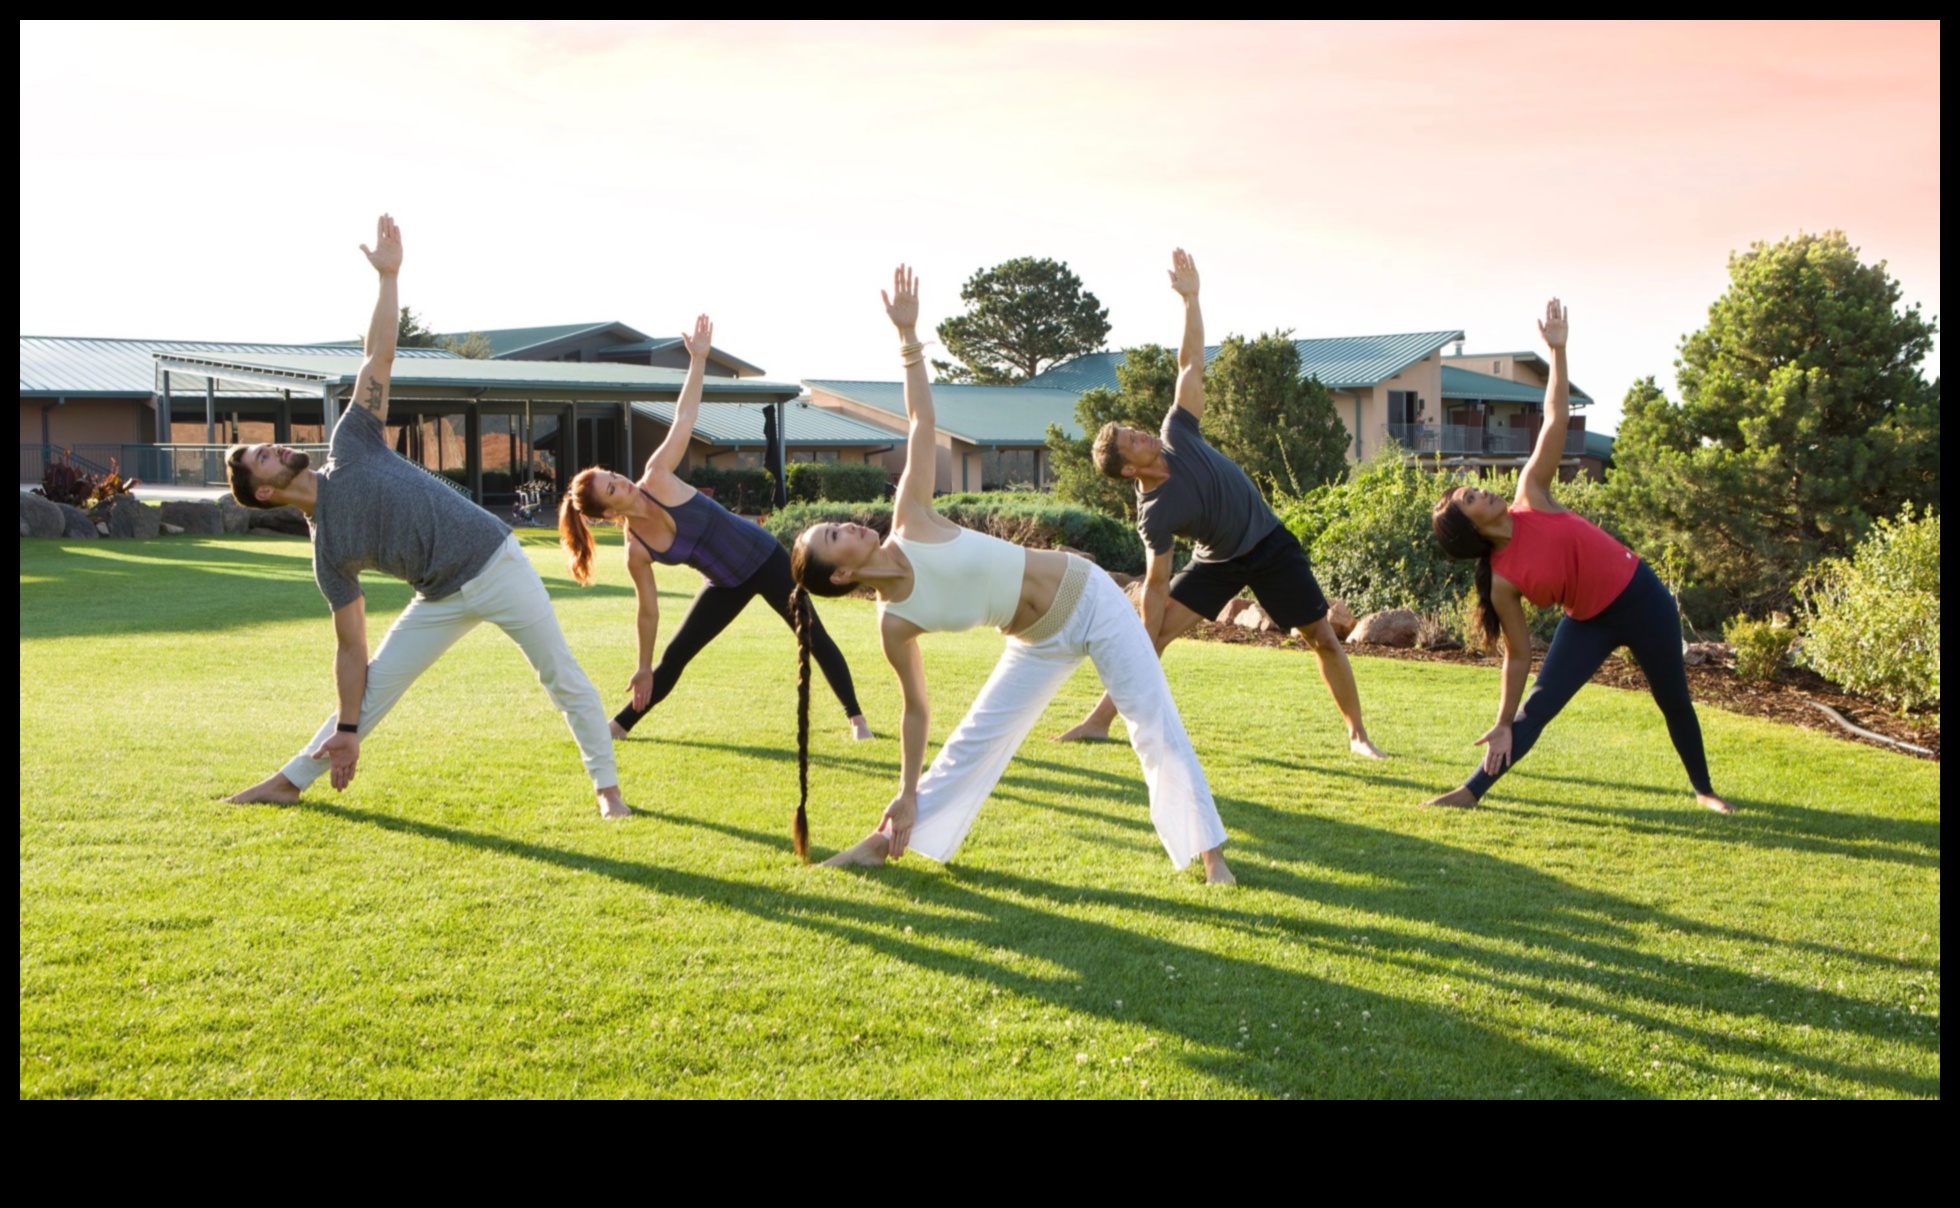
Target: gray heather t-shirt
<point>375,511</point>
<point>1207,499</point>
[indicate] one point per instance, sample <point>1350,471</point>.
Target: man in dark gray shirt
<point>1186,488</point>
<point>372,510</point>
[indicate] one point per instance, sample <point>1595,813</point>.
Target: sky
<point>213,181</point>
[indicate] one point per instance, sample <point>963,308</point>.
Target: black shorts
<point>1276,570</point>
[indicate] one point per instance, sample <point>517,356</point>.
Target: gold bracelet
<point>913,348</point>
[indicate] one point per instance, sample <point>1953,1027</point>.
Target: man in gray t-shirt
<point>372,510</point>
<point>1186,488</point>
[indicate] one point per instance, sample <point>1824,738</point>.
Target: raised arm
<point>667,458</point>
<point>1191,347</point>
<point>914,502</point>
<point>1535,486</point>
<point>371,385</point>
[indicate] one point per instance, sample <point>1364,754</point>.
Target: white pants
<point>508,594</point>
<point>1104,628</point>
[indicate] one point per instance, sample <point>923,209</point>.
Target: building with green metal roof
<point>733,435</point>
<point>989,436</point>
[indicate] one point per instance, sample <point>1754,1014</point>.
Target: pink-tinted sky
<point>211,181</point>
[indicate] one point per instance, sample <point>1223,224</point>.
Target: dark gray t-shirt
<point>1207,499</point>
<point>375,511</point>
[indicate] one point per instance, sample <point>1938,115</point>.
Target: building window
<point>823,455</point>
<point>1497,369</point>
<point>1403,406</point>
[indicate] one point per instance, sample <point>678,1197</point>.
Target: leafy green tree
<point>1022,316</point>
<point>410,332</point>
<point>473,347</point>
<point>1803,417</point>
<point>1146,387</point>
<point>1282,430</point>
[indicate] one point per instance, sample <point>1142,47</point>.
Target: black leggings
<point>1644,620</point>
<point>711,612</point>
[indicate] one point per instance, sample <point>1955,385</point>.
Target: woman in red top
<point>1533,549</point>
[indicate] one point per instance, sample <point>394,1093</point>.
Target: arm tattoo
<point>375,398</point>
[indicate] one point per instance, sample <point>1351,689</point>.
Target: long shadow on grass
<point>1858,835</point>
<point>1513,932</point>
<point>188,585</point>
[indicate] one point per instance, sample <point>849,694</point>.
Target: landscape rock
<point>171,530</point>
<point>39,517</point>
<point>288,520</point>
<point>1254,617</point>
<point>1700,654</point>
<point>1122,580</point>
<point>1233,607</point>
<point>76,522</point>
<point>200,516</point>
<point>131,517</point>
<point>236,516</point>
<point>1390,627</point>
<point>1339,616</point>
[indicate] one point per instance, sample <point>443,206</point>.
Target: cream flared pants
<point>1104,628</point>
<point>508,594</point>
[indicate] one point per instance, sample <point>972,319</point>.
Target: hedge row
<point>1035,521</point>
<point>837,482</point>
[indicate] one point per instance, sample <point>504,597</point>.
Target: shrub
<point>1762,648</point>
<point>745,491</point>
<point>1871,622</point>
<point>65,482</point>
<point>837,482</point>
<point>1018,516</point>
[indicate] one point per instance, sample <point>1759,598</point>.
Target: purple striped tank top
<point>724,547</point>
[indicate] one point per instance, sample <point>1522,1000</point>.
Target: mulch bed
<point>1717,684</point>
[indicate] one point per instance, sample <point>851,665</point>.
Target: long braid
<point>800,608</point>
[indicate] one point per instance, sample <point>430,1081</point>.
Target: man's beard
<point>291,463</point>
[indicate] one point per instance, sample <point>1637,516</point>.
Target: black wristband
<point>349,727</point>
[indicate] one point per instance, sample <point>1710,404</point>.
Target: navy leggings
<point>713,610</point>
<point>1644,620</point>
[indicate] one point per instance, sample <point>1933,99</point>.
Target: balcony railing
<point>1463,440</point>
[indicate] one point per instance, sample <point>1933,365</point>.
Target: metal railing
<point>168,465</point>
<point>1463,440</point>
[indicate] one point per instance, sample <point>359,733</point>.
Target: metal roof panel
<point>82,365</point>
<point>1341,362</point>
<point>741,424</point>
<point>980,415</point>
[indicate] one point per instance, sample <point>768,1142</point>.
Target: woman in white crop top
<point>1056,609</point>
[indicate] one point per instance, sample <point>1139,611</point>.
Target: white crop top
<point>971,580</point>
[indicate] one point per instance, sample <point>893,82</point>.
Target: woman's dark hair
<point>573,532</point>
<point>812,572</point>
<point>805,616</point>
<point>1458,536</point>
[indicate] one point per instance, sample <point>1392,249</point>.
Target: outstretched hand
<point>703,338</point>
<point>897,822</point>
<point>1496,743</point>
<point>343,755</point>
<point>1552,327</point>
<point>1184,274</point>
<point>902,303</point>
<point>386,255</point>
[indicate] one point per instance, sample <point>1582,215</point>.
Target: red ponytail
<point>573,532</point>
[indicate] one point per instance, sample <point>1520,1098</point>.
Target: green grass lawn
<point>460,922</point>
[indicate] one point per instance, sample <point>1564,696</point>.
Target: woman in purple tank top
<point>667,520</point>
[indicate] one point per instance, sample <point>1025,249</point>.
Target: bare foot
<point>861,729</point>
<point>868,853</point>
<point>618,731</point>
<point>610,805</point>
<point>1088,731</point>
<point>1367,750</point>
<point>1711,801</point>
<point>273,790</point>
<point>1215,871</point>
<point>1457,798</point>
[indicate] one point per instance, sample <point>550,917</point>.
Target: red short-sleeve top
<point>1565,559</point>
